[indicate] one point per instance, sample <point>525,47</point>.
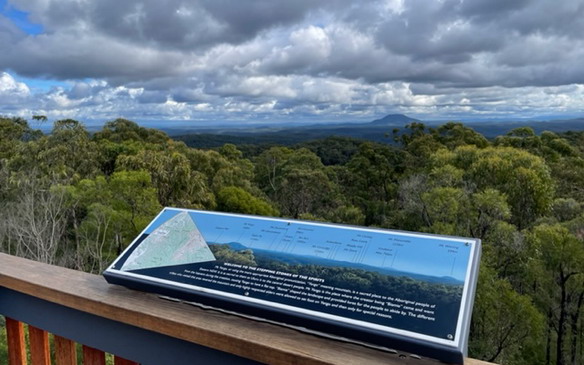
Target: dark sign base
<point>413,346</point>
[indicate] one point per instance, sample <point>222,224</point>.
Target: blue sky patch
<point>19,18</point>
<point>38,85</point>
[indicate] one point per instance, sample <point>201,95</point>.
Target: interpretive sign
<point>407,291</point>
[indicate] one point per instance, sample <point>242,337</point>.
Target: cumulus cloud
<point>11,91</point>
<point>264,58</point>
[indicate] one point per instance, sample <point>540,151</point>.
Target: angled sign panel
<point>407,291</point>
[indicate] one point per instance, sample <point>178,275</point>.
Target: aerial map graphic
<point>175,242</point>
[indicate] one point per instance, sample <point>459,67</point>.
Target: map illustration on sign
<point>177,241</point>
<point>396,283</point>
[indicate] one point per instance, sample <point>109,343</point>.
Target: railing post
<point>93,356</point>
<point>39,346</point>
<point>120,361</point>
<point>65,352</point>
<point>16,345</point>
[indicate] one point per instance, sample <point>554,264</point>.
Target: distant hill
<point>372,131</point>
<point>376,131</point>
<point>394,119</point>
<point>494,129</point>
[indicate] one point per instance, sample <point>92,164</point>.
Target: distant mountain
<point>375,131</point>
<point>235,246</point>
<point>393,119</point>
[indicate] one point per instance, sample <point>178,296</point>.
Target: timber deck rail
<point>141,328</point>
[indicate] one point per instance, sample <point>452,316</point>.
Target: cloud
<point>172,24</point>
<point>262,58</point>
<point>11,91</point>
<point>16,96</point>
<point>9,32</point>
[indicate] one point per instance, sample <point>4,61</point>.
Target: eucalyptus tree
<point>557,266</point>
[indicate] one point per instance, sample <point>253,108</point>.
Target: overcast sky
<point>291,60</point>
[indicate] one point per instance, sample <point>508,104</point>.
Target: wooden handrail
<point>246,338</point>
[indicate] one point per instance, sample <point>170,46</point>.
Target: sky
<point>291,61</point>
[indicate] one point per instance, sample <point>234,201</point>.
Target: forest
<point>77,199</point>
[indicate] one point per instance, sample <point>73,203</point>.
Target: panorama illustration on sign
<point>406,283</point>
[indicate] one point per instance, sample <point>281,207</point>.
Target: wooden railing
<point>141,328</point>
<point>65,350</point>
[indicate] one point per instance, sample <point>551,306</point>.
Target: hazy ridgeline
<point>75,199</point>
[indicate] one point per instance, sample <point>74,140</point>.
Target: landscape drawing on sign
<point>176,241</point>
<point>437,259</point>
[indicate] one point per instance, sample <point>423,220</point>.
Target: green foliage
<point>334,150</point>
<point>237,200</point>
<point>3,342</point>
<point>132,191</point>
<point>487,208</point>
<point>268,169</point>
<point>557,250</point>
<point>522,177</point>
<point>123,130</point>
<point>569,177</point>
<point>230,152</point>
<point>506,328</point>
<point>372,178</point>
<point>16,129</point>
<point>549,145</point>
<point>296,180</point>
<point>347,214</point>
<point>454,134</point>
<point>447,176</point>
<point>108,214</point>
<point>220,171</point>
<point>557,269</point>
<point>176,183</point>
<point>443,204</point>
<point>565,209</point>
<point>303,191</point>
<point>506,251</point>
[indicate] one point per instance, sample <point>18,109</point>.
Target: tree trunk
<point>561,321</point>
<point>574,318</point>
<point>548,342</point>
